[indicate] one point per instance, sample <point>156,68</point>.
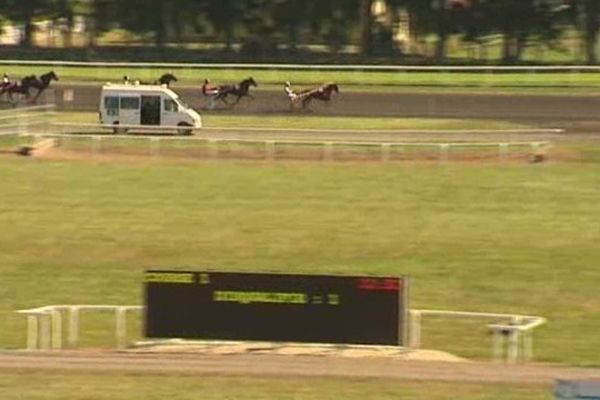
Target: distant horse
<point>166,79</point>
<point>240,90</point>
<point>22,89</point>
<point>42,84</point>
<point>322,93</point>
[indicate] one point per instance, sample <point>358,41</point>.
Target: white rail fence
<point>300,67</point>
<point>327,148</point>
<point>25,120</point>
<point>44,328</point>
<point>44,324</point>
<point>510,331</point>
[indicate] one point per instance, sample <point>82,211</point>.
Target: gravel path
<point>278,365</point>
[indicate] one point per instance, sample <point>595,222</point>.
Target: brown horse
<point>240,90</point>
<point>322,93</point>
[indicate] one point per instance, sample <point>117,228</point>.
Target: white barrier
<point>23,120</point>
<point>269,145</point>
<point>44,327</point>
<point>44,324</point>
<point>324,67</point>
<point>515,329</point>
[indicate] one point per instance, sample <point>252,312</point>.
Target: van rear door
<point>150,110</point>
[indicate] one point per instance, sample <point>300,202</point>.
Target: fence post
<point>513,346</point>
<point>385,152</point>
<point>444,147</point>
<point>270,149</point>
<point>45,331</point>
<point>527,346</point>
<point>56,329</point>
<point>414,337</point>
<point>328,151</point>
<point>497,345</point>
<point>73,326</point>
<point>32,331</point>
<point>121,327</point>
<point>502,151</point>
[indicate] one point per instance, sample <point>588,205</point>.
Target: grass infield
<point>496,238</point>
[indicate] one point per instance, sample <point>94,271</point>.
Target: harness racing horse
<point>240,90</point>
<point>166,79</point>
<point>21,89</point>
<point>41,84</point>
<point>322,93</point>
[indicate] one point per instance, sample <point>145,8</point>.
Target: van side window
<point>170,105</point>
<point>130,103</point>
<point>111,104</point>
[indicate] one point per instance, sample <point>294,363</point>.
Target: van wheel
<point>187,131</point>
<point>119,131</point>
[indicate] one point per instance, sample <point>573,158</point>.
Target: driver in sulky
<point>210,92</point>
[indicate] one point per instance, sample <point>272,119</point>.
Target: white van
<point>133,106</point>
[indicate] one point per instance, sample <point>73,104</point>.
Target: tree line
<point>263,26</point>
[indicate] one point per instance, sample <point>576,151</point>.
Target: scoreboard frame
<point>336,309</point>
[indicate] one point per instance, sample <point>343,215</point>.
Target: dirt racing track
<point>576,113</point>
<point>286,365</point>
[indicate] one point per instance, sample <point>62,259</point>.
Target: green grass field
<point>497,238</point>
<point>358,79</point>
<point>320,122</point>
<point>125,386</point>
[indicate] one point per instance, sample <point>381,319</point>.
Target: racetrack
<point>575,113</point>
<point>278,365</point>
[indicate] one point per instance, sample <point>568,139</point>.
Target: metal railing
<point>323,67</point>
<point>44,328</point>
<point>21,120</point>
<point>327,146</point>
<point>512,331</point>
<point>44,324</point>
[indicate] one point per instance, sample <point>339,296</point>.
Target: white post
<point>270,149</point>
<point>121,327</point>
<point>444,147</point>
<point>73,326</point>
<point>385,152</point>
<point>503,151</point>
<point>513,346</point>
<point>32,331</point>
<point>45,331</point>
<point>527,346</point>
<point>498,344</point>
<point>96,144</point>
<point>56,329</point>
<point>328,151</point>
<point>415,329</point>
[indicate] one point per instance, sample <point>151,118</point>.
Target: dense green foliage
<point>259,27</point>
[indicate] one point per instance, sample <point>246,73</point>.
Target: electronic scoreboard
<point>276,307</point>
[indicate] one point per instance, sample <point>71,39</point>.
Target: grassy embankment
<point>513,238</point>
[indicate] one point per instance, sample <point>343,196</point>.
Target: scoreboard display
<point>276,307</point>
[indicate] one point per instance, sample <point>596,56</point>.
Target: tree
<point>25,13</point>
<point>591,27</point>
<point>223,16</point>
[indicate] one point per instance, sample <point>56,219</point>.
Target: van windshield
<point>181,104</point>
